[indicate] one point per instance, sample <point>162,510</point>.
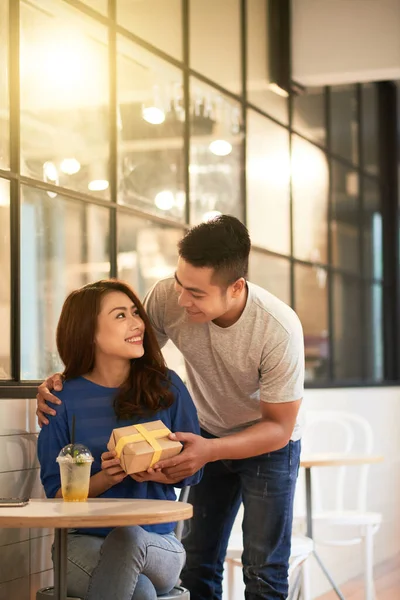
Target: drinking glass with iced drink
<point>75,461</point>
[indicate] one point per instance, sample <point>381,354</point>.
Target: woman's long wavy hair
<point>146,389</point>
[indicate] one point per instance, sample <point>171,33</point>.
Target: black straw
<point>73,430</point>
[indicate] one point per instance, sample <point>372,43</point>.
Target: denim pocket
<point>278,461</point>
<point>267,473</point>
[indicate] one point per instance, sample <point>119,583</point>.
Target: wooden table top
<point>330,459</point>
<point>95,512</point>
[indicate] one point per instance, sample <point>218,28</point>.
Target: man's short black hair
<point>222,243</point>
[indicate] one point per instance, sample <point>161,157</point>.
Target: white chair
<point>340,496</point>
<point>301,548</point>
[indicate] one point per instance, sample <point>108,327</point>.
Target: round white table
<point>329,459</point>
<point>95,512</point>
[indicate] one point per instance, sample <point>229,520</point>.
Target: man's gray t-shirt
<point>230,370</point>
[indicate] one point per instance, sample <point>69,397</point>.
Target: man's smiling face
<point>199,294</point>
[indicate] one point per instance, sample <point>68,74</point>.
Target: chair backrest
<point>183,496</point>
<point>343,432</point>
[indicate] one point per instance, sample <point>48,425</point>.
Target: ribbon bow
<point>144,435</point>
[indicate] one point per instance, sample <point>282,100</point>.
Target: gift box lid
<point>142,439</point>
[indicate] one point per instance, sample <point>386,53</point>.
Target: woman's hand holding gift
<point>151,475</point>
<point>111,468</point>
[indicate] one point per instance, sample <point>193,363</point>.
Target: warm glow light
<point>4,193</point>
<point>164,200</point>
<point>70,166</point>
<point>210,215</point>
<point>273,168</point>
<point>220,147</point>
<point>62,68</point>
<point>309,168</point>
<point>153,115</point>
<point>98,185</point>
<point>50,172</point>
<point>180,200</point>
<point>63,61</point>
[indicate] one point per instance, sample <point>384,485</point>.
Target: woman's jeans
<point>266,485</point>
<point>129,564</point>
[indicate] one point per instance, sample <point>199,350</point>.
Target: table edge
<point>336,461</point>
<point>19,520</point>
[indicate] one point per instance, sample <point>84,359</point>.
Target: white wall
<point>25,562</point>
<point>381,406</point>
<point>345,41</point>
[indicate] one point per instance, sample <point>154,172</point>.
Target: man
<point>244,357</point>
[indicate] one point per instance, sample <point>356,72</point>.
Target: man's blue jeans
<point>266,485</point>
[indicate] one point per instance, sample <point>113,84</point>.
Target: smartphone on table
<point>6,502</point>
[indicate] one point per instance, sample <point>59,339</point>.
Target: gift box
<point>140,446</point>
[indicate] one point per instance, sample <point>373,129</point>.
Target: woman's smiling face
<point>120,330</point>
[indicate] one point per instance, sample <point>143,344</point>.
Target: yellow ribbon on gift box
<point>144,435</point>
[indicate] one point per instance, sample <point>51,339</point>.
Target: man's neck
<point>232,315</point>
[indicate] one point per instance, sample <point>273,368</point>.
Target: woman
<point>115,376</point>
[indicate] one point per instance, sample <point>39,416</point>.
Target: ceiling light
<point>50,172</point>
<point>98,185</point>
<point>153,115</point>
<point>211,214</point>
<point>70,166</point>
<point>220,147</point>
<point>164,200</point>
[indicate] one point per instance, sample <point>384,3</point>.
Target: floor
<point>387,584</point>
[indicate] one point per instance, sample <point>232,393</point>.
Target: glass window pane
<point>369,127</point>
<point>309,114</point>
<point>345,225</point>
<point>150,123</point>
<point>148,252</point>
<point>64,97</point>
<point>310,188</point>
<point>344,123</point>
<point>64,245</point>
<point>215,153</point>
<point>372,242</point>
<point>271,273</point>
<point>215,41</point>
<point>259,89</point>
<point>268,175</point>
<point>4,91</point>
<point>100,5</point>
<point>158,22</point>
<point>5,290</point>
<point>374,331</point>
<point>347,338</point>
<point>311,302</point>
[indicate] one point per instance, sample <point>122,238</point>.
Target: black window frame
<point>387,181</point>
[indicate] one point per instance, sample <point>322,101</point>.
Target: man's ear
<point>238,287</point>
